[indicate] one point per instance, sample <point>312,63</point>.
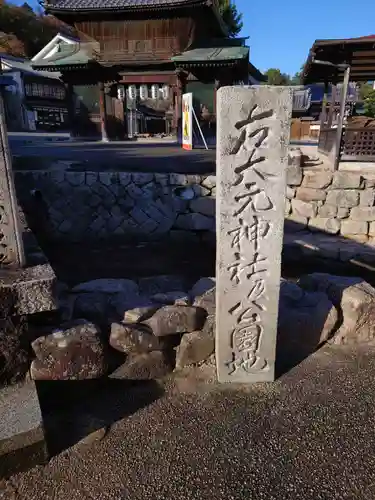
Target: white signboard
<point>187,121</point>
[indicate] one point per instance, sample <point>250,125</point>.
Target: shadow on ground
<point>75,410</point>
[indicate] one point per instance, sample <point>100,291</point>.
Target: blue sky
<point>282,31</point>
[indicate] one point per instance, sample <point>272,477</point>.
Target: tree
<point>364,89</point>
<point>275,77</point>
<point>369,104</point>
<point>231,17</point>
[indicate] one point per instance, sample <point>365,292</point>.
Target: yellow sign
<point>187,121</point>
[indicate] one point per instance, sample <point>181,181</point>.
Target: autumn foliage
<point>24,32</point>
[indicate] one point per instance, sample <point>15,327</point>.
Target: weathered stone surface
<point>14,359</point>
<point>310,194</point>
<point>295,223</point>
<point>74,352</point>
<point>170,320</point>
<point>367,198</point>
<point>205,206</point>
<point>331,226</point>
<point>209,182</point>
<point>172,298</point>
<point>346,180</point>
<point>342,212</point>
<point>202,286</point>
<point>295,157</point>
<point>139,314</point>
<point>317,179</point>
<point>161,284</point>
<point>327,211</point>
<point>371,231</point>
<point>306,320</point>
<point>293,175</point>
<point>343,198</point>
<point>250,225</point>
<point>91,306</point>
<point>134,338</point>
<point>108,286</point>
<point>22,441</point>
<point>363,214</point>
<point>353,227</point>
<point>197,346</point>
<point>304,209</point>
<point>290,192</point>
<point>195,221</point>
<point>207,301</point>
<point>149,366</point>
<point>355,300</point>
<point>28,291</point>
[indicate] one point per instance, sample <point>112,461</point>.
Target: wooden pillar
<point>70,105</point>
<point>340,122</point>
<point>179,90</point>
<point>103,113</point>
<point>332,105</point>
<point>324,106</point>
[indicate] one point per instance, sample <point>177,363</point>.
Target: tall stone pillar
<point>103,112</point>
<point>11,246</point>
<point>252,143</point>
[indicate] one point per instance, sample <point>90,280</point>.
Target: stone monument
<point>252,143</point>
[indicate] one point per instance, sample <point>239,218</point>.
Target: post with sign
<point>187,121</point>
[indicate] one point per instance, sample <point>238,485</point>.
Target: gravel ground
<point>308,436</point>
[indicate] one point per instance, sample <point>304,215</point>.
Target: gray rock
<point>371,231</point>
<point>353,227</point>
<point>342,213</point>
<point>288,207</point>
<point>74,352</point>
<point>304,209</point>
<point>363,214</point>
<point>22,441</point>
<point>355,300</point>
<point>295,157</point>
<point>195,221</point>
<point>346,180</point>
<point>306,320</point>
<point>197,346</point>
<point>149,366</point>
<point>91,306</point>
<point>317,179</point>
<point>108,286</point>
<point>134,338</point>
<point>310,194</point>
<point>161,284</point>
<point>139,314</point>
<point>209,182</point>
<point>331,226</point>
<point>202,286</point>
<point>205,206</point>
<point>172,298</point>
<point>367,198</point>
<point>293,175</point>
<point>201,191</point>
<point>14,358</point>
<point>170,320</point>
<point>343,198</point>
<point>327,211</point>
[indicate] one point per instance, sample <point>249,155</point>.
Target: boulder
<point>207,301</point>
<point>73,352</point>
<point>202,286</point>
<point>161,284</point>
<point>134,338</point>
<point>91,306</point>
<point>171,298</point>
<point>14,359</point>
<point>306,320</point>
<point>197,346</point>
<point>108,286</point>
<point>144,367</point>
<point>170,320</point>
<point>355,300</point>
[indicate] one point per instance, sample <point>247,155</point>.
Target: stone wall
<point>339,203</point>
<point>79,206</point>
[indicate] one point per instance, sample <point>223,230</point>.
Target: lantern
<point>165,92</point>
<point>132,92</point>
<point>155,91</point>
<point>120,92</point>
<point>143,92</point>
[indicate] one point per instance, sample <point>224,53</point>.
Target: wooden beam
<point>332,105</point>
<point>324,106</point>
<point>344,92</point>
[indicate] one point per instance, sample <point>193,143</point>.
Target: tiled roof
<point>77,5</point>
<point>214,54</point>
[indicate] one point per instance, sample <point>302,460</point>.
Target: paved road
<point>309,436</point>
<point>126,156</point>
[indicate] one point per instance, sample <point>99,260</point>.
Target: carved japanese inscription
<point>253,136</point>
<point>11,246</point>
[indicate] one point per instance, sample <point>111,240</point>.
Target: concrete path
<point>308,436</point>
